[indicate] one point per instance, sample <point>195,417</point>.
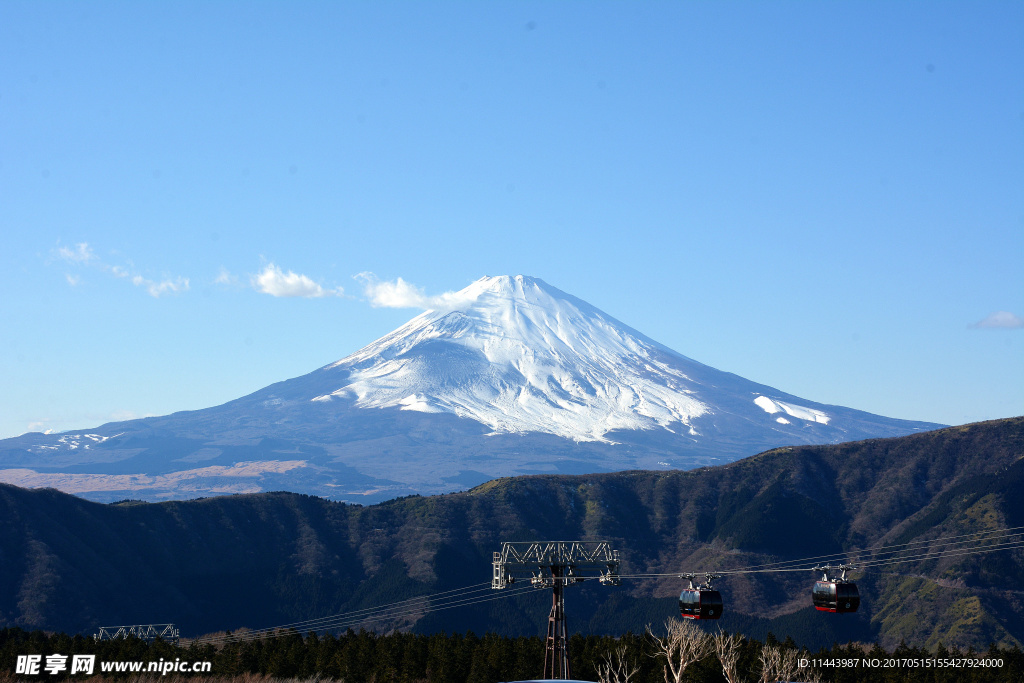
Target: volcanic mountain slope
<point>512,376</point>
<point>277,558</point>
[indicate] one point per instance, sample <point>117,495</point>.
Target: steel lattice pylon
<point>556,564</point>
<point>148,632</point>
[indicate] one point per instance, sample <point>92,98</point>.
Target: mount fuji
<point>510,376</point>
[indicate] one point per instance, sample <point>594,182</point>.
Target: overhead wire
<point>953,552</point>
<point>369,610</point>
<point>794,564</point>
<point>331,622</point>
<point>876,557</point>
<point>866,554</point>
<point>348,619</point>
<point>344,622</point>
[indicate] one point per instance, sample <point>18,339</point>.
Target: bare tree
<point>782,665</point>
<point>683,644</point>
<point>808,673</point>
<point>728,650</point>
<point>788,667</point>
<point>615,668</point>
<point>771,662</point>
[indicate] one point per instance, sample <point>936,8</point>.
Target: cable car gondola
<point>700,601</point>
<point>835,594</point>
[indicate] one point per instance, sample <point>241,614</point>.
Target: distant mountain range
<point>267,559</point>
<point>512,376</point>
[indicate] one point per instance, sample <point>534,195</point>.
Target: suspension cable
<point>393,611</point>
<point>308,623</point>
<point>872,556</point>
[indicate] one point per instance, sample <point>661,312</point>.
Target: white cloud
<point>1000,320</point>
<point>402,294</point>
<point>81,253</point>
<point>155,289</point>
<point>224,277</point>
<point>275,282</point>
<point>397,294</point>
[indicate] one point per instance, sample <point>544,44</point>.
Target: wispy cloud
<point>224,277</point>
<point>1000,320</point>
<point>83,255</point>
<point>157,289</point>
<point>80,253</point>
<point>401,294</point>
<point>275,282</point>
<point>40,426</point>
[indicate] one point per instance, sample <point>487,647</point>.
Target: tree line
<point>678,652</point>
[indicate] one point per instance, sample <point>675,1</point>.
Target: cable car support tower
<point>556,564</point>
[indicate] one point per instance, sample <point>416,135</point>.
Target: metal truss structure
<point>148,632</point>
<point>555,565</point>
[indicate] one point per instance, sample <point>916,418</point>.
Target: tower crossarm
<point>579,560</point>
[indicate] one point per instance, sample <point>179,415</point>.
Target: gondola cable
<point>341,620</point>
<point>345,620</point>
<point>794,565</point>
<point>474,588</point>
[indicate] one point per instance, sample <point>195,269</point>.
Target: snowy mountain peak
<point>519,355</point>
<point>506,285</point>
<point>504,291</point>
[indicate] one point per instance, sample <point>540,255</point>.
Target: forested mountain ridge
<point>267,559</point>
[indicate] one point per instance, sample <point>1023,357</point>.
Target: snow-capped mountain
<point>512,376</point>
<point>521,356</point>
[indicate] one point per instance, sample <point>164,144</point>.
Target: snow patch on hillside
<point>771,407</point>
<point>70,442</point>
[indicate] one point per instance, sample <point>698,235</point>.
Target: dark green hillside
<point>268,559</point>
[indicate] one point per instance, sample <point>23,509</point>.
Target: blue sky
<point>824,197</point>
